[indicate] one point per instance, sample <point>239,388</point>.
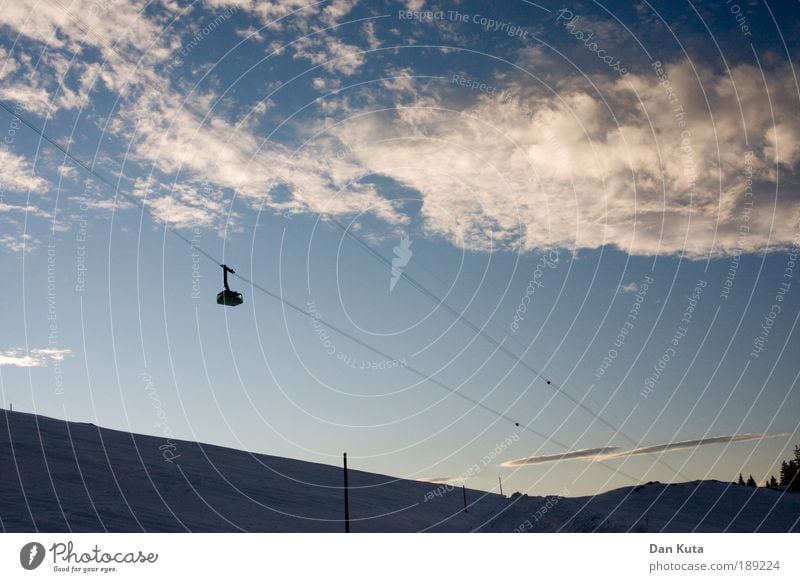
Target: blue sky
<point>609,192</point>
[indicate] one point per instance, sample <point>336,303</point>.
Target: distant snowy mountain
<point>60,476</point>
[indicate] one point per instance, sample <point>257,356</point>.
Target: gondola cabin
<point>228,297</point>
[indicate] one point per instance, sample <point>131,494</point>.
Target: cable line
<point>137,202</point>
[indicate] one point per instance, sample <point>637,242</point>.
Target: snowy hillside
<point>699,506</point>
<point>60,476</point>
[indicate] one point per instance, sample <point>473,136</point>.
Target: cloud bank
<point>604,165</point>
<point>675,159</point>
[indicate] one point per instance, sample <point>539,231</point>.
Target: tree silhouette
<point>790,475</point>
<point>790,472</point>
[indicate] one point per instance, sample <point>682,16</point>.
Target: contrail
<point>583,454</point>
<point>606,453</point>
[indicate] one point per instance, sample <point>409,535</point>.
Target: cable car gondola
<point>226,296</point>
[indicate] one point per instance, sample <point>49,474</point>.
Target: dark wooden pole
<point>464,491</point>
<point>500,480</point>
<point>346,499</point>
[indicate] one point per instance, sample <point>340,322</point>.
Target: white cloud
<point>68,172</point>
<point>312,26</point>
<point>19,243</point>
<point>36,357</point>
<point>110,204</point>
<point>368,29</point>
<point>400,81</point>
<point>266,9</point>
<point>530,170</point>
<point>129,42</point>
<point>35,98</point>
<point>335,10</point>
<point>16,173</point>
<point>332,53</point>
<point>189,205</point>
<point>782,144</point>
<point>251,33</point>
<point>413,4</point>
<point>326,84</point>
<point>524,170</point>
<point>28,209</point>
<point>172,133</point>
<point>176,137</point>
<point>631,287</point>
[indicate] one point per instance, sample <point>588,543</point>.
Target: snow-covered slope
<point>57,476</point>
<point>699,506</point>
<point>62,476</point>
